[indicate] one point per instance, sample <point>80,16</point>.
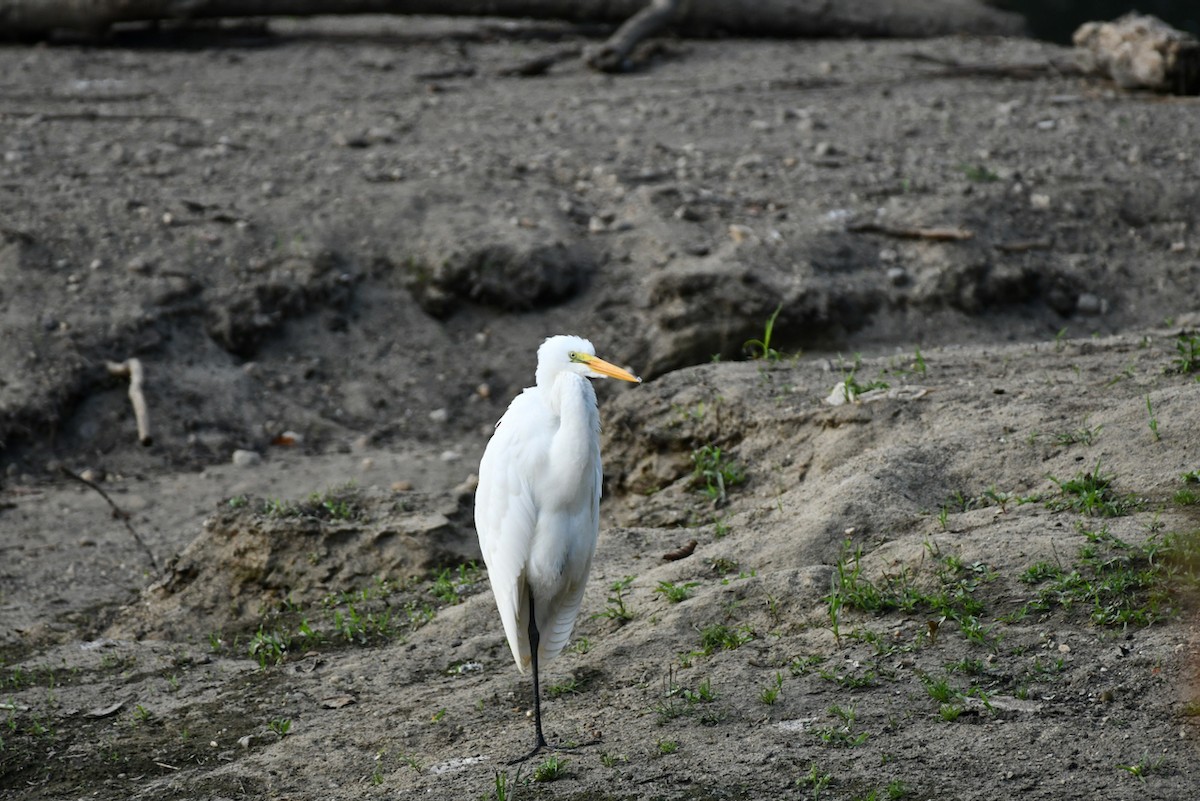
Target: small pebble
<point>244,458</point>
<point>402,486</point>
<point>740,233</point>
<point>1090,304</point>
<point>439,415</point>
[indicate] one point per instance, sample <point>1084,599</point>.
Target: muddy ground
<point>336,245</point>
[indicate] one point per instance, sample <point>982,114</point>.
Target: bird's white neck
<point>577,440</point>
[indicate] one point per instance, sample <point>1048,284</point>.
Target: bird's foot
<point>542,745</point>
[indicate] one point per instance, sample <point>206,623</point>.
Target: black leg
<point>540,743</point>
<point>534,639</point>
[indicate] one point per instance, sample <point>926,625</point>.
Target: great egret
<point>537,507</point>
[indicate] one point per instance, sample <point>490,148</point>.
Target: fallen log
<point>36,19</point>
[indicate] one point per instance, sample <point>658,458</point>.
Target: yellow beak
<point>608,370</point>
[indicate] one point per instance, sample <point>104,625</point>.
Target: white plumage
<point>538,503</point>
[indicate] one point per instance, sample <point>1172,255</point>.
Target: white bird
<point>537,507</point>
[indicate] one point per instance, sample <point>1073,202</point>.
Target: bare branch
<point>132,369</point>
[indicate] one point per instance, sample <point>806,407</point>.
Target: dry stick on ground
<point>682,552</point>
<point>132,369</point>
<point>118,513</point>
<point>1023,246</point>
<point>1021,72</point>
<point>542,64</point>
<point>935,234</point>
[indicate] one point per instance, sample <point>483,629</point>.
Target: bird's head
<point>576,355</point>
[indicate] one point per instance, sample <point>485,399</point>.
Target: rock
<point>1140,52</point>
<point>1090,305</point>
<point>244,458</point>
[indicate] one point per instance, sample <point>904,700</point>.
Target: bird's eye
<point>573,356</point>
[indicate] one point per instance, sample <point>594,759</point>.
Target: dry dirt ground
<point>975,583</point>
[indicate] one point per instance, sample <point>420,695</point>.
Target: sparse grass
<point>719,637</point>
<point>680,701</point>
<point>918,363</point>
<point>761,348</point>
<point>615,608</point>
<point>503,785</point>
<point>269,648</point>
<point>952,595</point>
<point>1144,767</point>
<point>723,566</point>
<point>667,747</point>
<point>1119,583</point>
<point>1188,359</point>
<point>815,780</point>
<point>769,694</point>
<point>1186,497</point>
<point>1085,435</point>
<point>1092,494</point>
<point>850,681</point>
<point>852,387</point>
<point>939,689</point>
<point>675,593</point>
<point>950,712</point>
<point>552,769</point>
<point>802,665</point>
<point>571,686</point>
<point>977,173</point>
<point>841,734</point>
<point>450,583</point>
<point>897,790</point>
<point>715,472</point>
<point>1153,421</point>
<point>281,727</point>
<point>378,612</point>
<point>969,667</point>
<point>336,503</point>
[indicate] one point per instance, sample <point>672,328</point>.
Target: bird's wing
<point>581,526</point>
<point>505,516</point>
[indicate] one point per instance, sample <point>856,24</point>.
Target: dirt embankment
<point>350,237</point>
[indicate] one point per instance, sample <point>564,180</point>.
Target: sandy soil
<point>976,583</point>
